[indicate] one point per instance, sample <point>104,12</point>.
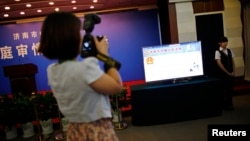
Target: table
<point>166,102</point>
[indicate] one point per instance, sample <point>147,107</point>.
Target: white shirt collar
<point>221,49</point>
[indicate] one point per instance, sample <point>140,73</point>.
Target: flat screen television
<point>172,61</point>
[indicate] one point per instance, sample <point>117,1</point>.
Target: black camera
<point>88,44</point>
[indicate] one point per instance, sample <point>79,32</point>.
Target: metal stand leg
<point>39,136</point>
<point>61,134</point>
<point>120,124</point>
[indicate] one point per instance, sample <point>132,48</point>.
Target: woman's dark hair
<point>223,39</point>
<point>60,36</point>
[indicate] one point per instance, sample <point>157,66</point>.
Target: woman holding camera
<point>81,88</point>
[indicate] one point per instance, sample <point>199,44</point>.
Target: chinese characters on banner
<point>6,52</point>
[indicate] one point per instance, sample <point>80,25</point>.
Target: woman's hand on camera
<point>102,45</point>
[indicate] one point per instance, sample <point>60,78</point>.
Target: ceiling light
<point>74,8</point>
<point>17,0</point>
<point>92,7</point>
<point>51,3</point>
<point>28,5</point>
<point>39,11</point>
<point>22,13</point>
<point>95,1</point>
<point>6,15</point>
<point>57,9</point>
<point>73,1</point>
<point>7,8</point>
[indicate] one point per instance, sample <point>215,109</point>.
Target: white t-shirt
<point>77,101</point>
<point>218,55</point>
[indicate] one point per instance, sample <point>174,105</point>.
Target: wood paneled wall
<point>207,6</point>
<point>198,7</point>
<point>182,26</point>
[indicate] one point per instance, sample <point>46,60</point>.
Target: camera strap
<point>108,60</point>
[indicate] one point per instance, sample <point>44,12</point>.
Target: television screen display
<point>172,61</point>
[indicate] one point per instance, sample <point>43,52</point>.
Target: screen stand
<point>181,80</point>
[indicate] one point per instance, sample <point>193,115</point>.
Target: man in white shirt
<point>225,60</point>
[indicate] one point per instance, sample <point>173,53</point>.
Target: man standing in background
<point>225,60</point>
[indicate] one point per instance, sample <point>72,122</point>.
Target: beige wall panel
<point>240,62</point>
<point>235,42</point>
<point>185,22</point>
<point>237,51</point>
<point>233,29</point>
<point>234,32</point>
<point>239,66</point>
<point>187,37</point>
<point>239,71</point>
<point>187,27</point>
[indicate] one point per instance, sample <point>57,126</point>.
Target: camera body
<point>88,44</point>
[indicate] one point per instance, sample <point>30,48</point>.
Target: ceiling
<point>76,6</point>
